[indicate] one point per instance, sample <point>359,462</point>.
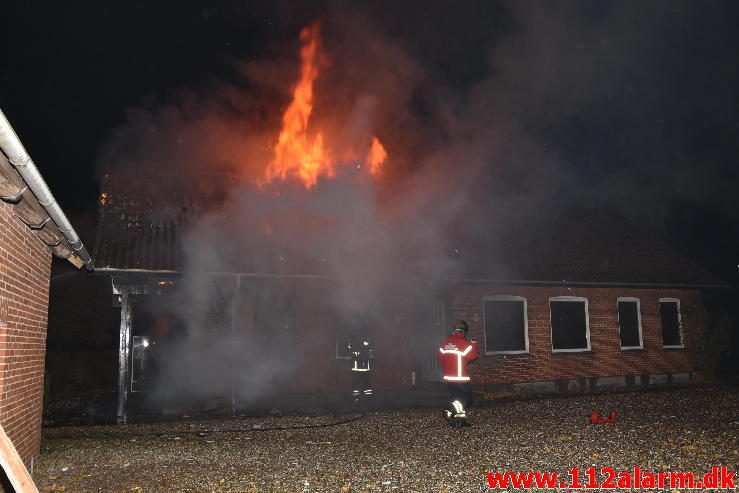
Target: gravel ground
<point>410,451</point>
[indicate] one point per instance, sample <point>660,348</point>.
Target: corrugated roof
<point>142,220</point>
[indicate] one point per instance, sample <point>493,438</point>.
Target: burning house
<point>591,302</point>
<point>244,286</point>
<point>32,228</point>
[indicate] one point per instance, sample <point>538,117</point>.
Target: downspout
<point>19,158</point>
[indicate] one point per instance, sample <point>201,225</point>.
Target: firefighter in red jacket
<point>455,353</point>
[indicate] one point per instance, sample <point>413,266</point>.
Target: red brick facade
<point>321,371</point>
<point>606,357</point>
<point>406,346</point>
<point>25,267</point>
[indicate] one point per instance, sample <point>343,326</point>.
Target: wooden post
<point>235,312</point>
<point>13,466</point>
<point>124,357</point>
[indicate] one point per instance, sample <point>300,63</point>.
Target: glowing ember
<point>300,153</point>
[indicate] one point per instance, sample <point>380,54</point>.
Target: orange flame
<point>296,153</point>
<point>299,153</point>
<point>376,156</point>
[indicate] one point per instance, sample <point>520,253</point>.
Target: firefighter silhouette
<point>455,353</point>
<point>360,351</point>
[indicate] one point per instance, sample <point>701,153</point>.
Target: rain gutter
<point>19,158</point>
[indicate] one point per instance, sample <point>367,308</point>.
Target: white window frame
<point>679,324</point>
<point>504,297</point>
<point>578,299</point>
<point>638,317</point>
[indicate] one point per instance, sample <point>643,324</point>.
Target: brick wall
<point>25,267</point>
<point>605,358</point>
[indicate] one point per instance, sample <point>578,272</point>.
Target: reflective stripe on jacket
<point>455,354</point>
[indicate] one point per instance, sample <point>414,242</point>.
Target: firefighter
<point>360,351</point>
<point>455,353</point>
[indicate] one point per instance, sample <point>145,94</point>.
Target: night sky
<point>640,100</point>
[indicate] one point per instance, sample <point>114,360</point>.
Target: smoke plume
<point>489,114</point>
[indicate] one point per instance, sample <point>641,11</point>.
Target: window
<point>342,343</point>
<point>570,329</point>
<point>506,324</point>
<point>669,311</point>
<point>629,323</point>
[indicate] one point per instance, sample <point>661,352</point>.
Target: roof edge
<point>109,271</point>
<point>592,284</point>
